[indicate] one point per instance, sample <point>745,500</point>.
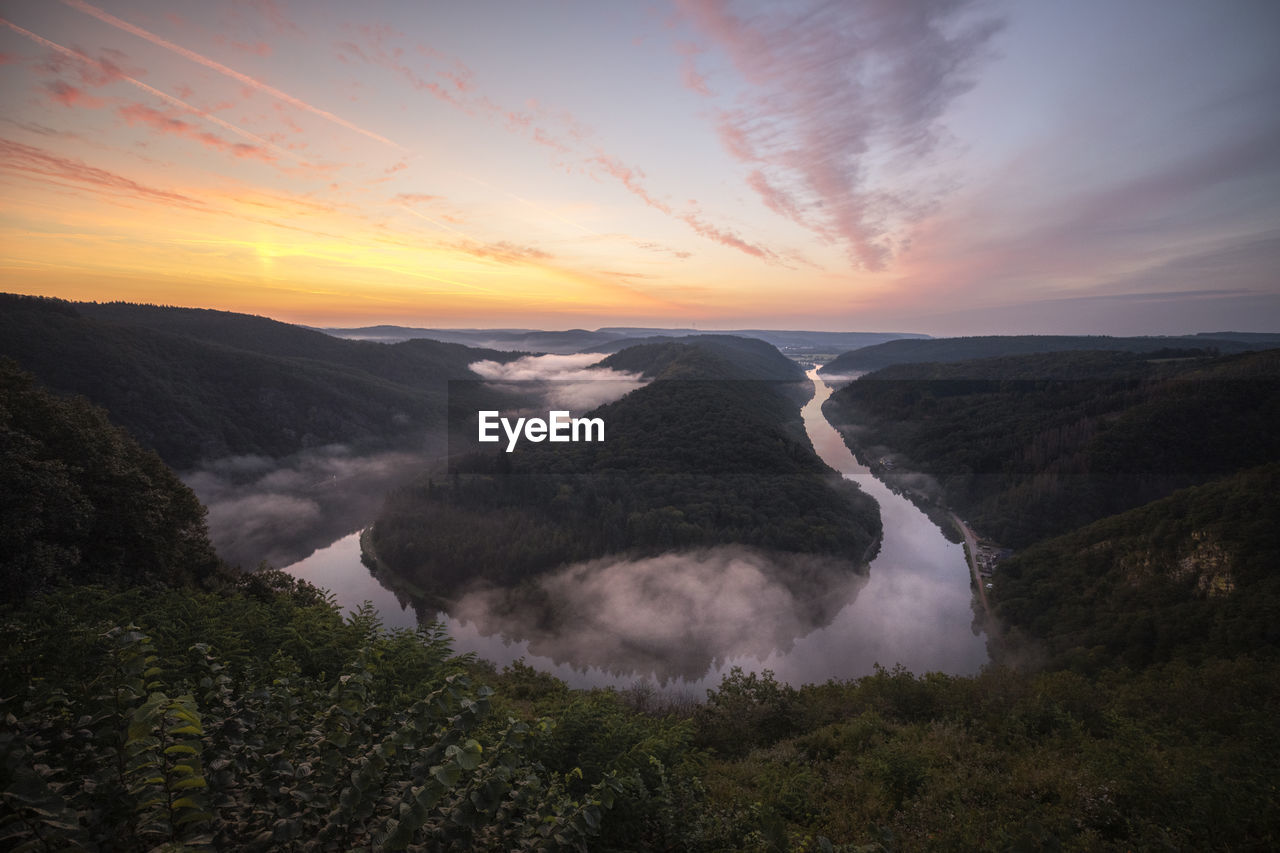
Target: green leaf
<point>446,774</point>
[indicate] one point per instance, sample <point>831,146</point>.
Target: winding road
<point>971,547</point>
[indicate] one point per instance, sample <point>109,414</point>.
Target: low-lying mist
<point>281,510</point>
<point>570,382</point>
<point>670,617</point>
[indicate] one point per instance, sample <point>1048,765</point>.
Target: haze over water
<point>914,608</point>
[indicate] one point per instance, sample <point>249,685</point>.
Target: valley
<point>744,612</point>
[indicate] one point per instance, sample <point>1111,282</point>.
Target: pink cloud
<point>35,161</point>
<point>694,81</point>
<point>166,123</point>
<point>689,75</point>
<point>70,96</point>
<point>111,70</point>
<point>726,238</point>
<point>415,197</point>
<point>109,67</point>
<point>249,82</point>
<point>503,251</point>
<point>519,121</point>
<point>633,180</point>
<point>347,49</point>
<point>257,48</point>
<point>778,200</point>
<point>837,88</point>
<point>734,137</point>
<point>274,13</point>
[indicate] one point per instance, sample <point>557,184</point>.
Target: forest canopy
<point>689,460</point>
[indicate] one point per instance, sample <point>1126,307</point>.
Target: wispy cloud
<point>102,68</point>
<point>835,90</point>
<point>633,180</point>
<point>451,80</point>
<point>166,123</point>
<point>275,14</point>
<point>245,79</point>
<point>71,96</point>
<point>27,160</point>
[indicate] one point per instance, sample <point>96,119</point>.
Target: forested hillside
<point>689,460</point>
<point>80,501</point>
<point>173,706</point>
<point>194,385</point>
<point>1032,446</point>
<point>730,358</point>
<point>1195,574</point>
<point>989,346</point>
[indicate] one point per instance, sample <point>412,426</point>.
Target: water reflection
<point>686,619</point>
<point>670,617</point>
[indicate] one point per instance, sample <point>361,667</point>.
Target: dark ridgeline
<point>194,384</point>
<point>945,350</point>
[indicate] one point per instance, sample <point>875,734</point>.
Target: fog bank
<point>673,616</point>
<point>281,510</point>
<point>570,382</point>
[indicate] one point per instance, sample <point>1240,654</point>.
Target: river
<point>914,608</point>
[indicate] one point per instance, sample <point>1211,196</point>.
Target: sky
<point>938,166</point>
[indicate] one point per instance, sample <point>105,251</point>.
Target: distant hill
<point>1194,574</point>
<point>1031,446</point>
<point>526,340</point>
<point>194,384</point>
<point>1272,338</point>
<point>612,338</point>
<point>783,339</point>
<point>735,358</point>
<point>965,349</point>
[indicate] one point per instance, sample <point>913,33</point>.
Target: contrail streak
<point>107,18</point>
<point>151,90</point>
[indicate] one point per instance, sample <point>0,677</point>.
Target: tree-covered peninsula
<point>703,455</point>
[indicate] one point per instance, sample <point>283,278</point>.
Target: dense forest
<point>989,346</point>
<point>194,384</point>
<point>700,456</point>
<point>153,700</point>
<point>64,471</point>
<point>723,357</point>
<point>1026,447</point>
<point>1194,575</point>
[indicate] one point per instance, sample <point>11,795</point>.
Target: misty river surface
<point>913,609</point>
